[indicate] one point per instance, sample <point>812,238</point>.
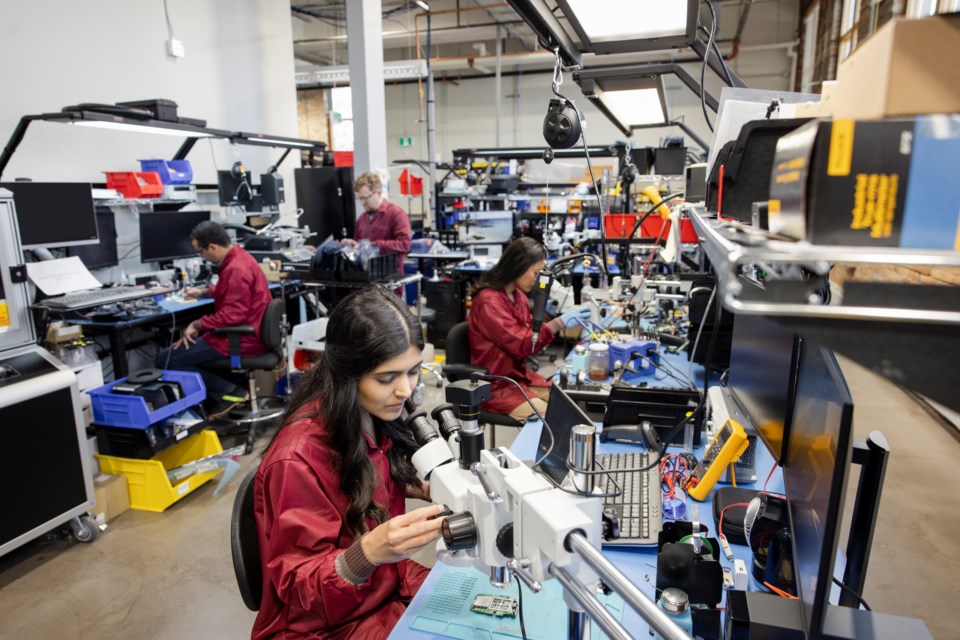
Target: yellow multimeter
<point>725,449</point>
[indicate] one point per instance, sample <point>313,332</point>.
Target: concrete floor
<point>163,576</point>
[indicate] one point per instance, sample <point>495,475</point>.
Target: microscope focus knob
<point>505,540</point>
<point>459,531</point>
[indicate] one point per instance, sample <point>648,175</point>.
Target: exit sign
<point>406,142</point>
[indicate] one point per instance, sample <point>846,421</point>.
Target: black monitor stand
<point>758,616</point>
<point>872,455</point>
<point>754,615</point>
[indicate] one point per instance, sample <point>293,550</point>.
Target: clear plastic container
<point>599,368</point>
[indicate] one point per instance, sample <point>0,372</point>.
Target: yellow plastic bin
<point>150,489</point>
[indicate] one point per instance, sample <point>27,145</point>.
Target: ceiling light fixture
<point>632,25</point>
<point>142,128</point>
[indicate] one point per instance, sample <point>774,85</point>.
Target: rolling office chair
<point>458,367</point>
<point>245,544</point>
<point>257,411</point>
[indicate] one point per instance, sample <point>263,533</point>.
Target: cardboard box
<point>59,333</point>
<point>112,497</point>
<point>902,69</point>
<point>881,183</point>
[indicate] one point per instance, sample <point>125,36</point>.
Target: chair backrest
<point>270,330</point>
<point>245,544</point>
<point>458,344</point>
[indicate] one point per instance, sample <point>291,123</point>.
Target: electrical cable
<point>491,377</point>
<point>696,341</point>
<point>769,475</point>
<point>523,629</point>
<point>555,85</point>
<point>166,14</point>
<point>703,67</point>
<point>646,214</point>
<point>853,593</point>
<point>723,63</point>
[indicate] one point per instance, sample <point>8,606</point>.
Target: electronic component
<point>727,551</point>
<point>541,295</point>
<point>725,449</point>
<point>727,578</point>
<point>498,606</point>
<point>740,580</point>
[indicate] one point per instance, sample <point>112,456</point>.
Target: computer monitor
<point>763,363</point>
<point>165,235</point>
<point>104,254</point>
<point>818,456</point>
<point>54,214</point>
<point>562,416</point>
<point>234,190</point>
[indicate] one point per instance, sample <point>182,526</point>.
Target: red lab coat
<point>500,341</point>
<point>240,297</point>
<point>389,228</point>
<point>300,518</point>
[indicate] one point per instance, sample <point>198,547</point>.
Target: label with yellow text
<point>875,203</point>
<point>841,148</point>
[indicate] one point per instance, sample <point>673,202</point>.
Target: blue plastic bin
<point>120,410</point>
<point>171,171</point>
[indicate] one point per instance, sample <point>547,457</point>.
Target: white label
<point>183,488</point>
<point>182,435</point>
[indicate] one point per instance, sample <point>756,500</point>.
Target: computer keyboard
<point>97,297</point>
<point>638,508</point>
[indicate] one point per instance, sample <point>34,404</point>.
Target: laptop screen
<point>562,416</point>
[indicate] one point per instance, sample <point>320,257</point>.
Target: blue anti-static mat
<point>447,610</point>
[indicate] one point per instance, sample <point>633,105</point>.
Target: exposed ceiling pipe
<point>741,23</point>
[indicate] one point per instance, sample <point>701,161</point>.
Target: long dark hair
<point>366,329</point>
<point>519,256</point>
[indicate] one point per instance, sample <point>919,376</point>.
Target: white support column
<point>365,48</point>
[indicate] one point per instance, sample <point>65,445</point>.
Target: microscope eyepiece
<point>459,531</point>
<point>423,431</point>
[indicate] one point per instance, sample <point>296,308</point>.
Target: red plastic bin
<point>651,228</point>
<point>619,225</point>
<point>139,184</point>
<point>343,158</point>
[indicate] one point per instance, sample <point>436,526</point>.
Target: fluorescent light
<point>629,19</point>
<point>634,107</point>
<point>423,5</point>
<point>142,128</point>
<point>276,141</point>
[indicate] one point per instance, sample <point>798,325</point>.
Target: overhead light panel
<point>276,142</point>
<point>636,107</point>
<point>632,25</point>
<point>423,5</point>
<point>143,128</point>
<point>629,101</point>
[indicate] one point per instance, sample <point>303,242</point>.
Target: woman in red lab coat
<point>329,494</point>
<point>501,332</point>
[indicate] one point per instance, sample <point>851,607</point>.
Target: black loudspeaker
<point>561,127</point>
<point>271,189</point>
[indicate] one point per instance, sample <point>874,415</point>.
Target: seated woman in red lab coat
<point>329,494</point>
<point>501,329</point>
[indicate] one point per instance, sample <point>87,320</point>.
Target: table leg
<point>118,352</point>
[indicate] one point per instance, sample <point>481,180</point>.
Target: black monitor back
<point>103,255</point>
<point>326,196</point>
<point>815,475</point>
